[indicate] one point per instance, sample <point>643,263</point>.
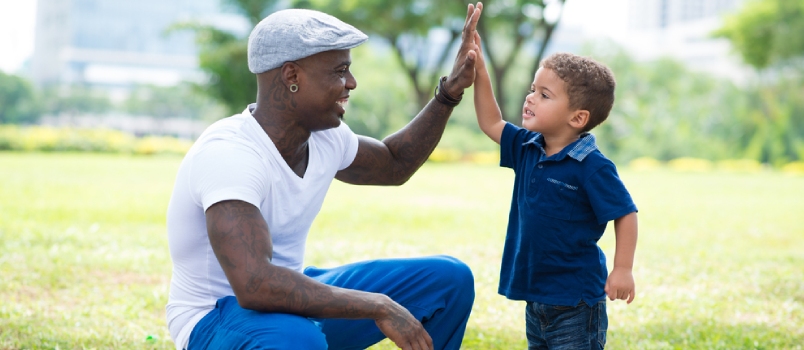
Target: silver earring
<point>294,88</point>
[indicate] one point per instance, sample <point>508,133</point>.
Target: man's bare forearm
<point>413,144</point>
<point>394,160</point>
<point>242,244</point>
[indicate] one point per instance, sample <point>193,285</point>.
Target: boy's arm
<point>620,284</point>
<point>489,117</point>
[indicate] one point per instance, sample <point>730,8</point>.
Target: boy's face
<point>546,109</point>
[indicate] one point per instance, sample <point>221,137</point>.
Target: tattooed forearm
<point>413,144</point>
<point>241,240</point>
<point>397,158</point>
<point>242,243</point>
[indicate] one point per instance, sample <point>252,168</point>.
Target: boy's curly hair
<point>589,84</point>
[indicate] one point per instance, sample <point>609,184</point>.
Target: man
<point>250,187</point>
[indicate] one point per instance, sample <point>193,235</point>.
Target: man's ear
<point>579,119</point>
<point>290,73</point>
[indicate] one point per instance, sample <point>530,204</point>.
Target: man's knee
<point>454,273</point>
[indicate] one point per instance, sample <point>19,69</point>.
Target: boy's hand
<point>620,285</point>
<point>481,60</point>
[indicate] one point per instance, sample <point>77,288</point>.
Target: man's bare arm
<point>394,160</point>
<point>242,243</point>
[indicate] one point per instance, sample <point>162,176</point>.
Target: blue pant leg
<point>437,290</point>
<point>229,326</point>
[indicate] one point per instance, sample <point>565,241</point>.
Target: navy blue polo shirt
<point>559,210</point>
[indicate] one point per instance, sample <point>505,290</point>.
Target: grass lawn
<point>84,260</point>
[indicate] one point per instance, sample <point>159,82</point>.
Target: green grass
<point>84,260</point>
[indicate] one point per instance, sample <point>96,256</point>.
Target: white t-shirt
<point>234,159</point>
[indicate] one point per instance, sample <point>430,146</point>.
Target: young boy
<point>565,192</point>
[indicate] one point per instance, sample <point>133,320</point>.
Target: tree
<point>17,100</point>
<point>74,100</point>
<point>530,26</point>
<point>423,35</point>
<point>767,32</point>
<point>768,36</point>
<point>665,110</point>
<point>420,33</point>
<point>223,56</point>
<point>179,101</point>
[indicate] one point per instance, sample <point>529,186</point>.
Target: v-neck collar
<point>269,144</point>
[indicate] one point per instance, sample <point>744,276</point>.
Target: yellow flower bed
<point>50,139</point>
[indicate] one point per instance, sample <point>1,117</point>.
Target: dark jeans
<point>566,327</point>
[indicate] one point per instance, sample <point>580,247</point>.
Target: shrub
<point>740,165</point>
<point>794,168</point>
<point>690,164</point>
<point>645,164</point>
<point>445,155</point>
<point>49,139</point>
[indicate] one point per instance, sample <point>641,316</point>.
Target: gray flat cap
<point>293,34</point>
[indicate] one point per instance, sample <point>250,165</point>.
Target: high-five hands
<point>463,70</point>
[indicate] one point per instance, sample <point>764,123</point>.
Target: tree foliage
<point>767,32</point>
<point>17,100</point>
<point>665,110</point>
<point>74,100</point>
<point>179,101</point>
<point>421,33</point>
<point>516,34</point>
<point>223,56</point>
<point>424,35</point>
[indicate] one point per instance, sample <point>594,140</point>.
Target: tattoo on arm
<point>242,243</point>
<point>399,155</point>
<point>242,239</point>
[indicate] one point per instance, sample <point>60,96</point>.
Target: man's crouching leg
<point>229,326</point>
<point>437,290</point>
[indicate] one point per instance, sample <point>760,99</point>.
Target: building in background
<point>682,29</point>
<point>655,14</point>
<point>112,46</point>
<point>116,44</point>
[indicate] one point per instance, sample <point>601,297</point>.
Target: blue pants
<point>438,291</point>
<point>566,327</point>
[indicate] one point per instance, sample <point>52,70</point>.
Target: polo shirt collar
<point>577,150</point>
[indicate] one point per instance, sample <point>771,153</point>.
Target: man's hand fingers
<point>422,344</point>
<point>469,12</point>
<point>470,23</point>
<point>475,16</point>
<point>428,341</point>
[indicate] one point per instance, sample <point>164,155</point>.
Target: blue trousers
<point>438,291</point>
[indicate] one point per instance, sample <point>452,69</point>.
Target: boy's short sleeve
<point>227,171</point>
<point>511,142</point>
<point>607,194</point>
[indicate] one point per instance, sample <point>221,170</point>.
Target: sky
<point>18,18</point>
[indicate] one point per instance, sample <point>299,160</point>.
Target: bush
<point>740,165</point>
<point>645,164</point>
<point>690,164</point>
<point>49,139</point>
<point>794,168</point>
<point>445,155</point>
